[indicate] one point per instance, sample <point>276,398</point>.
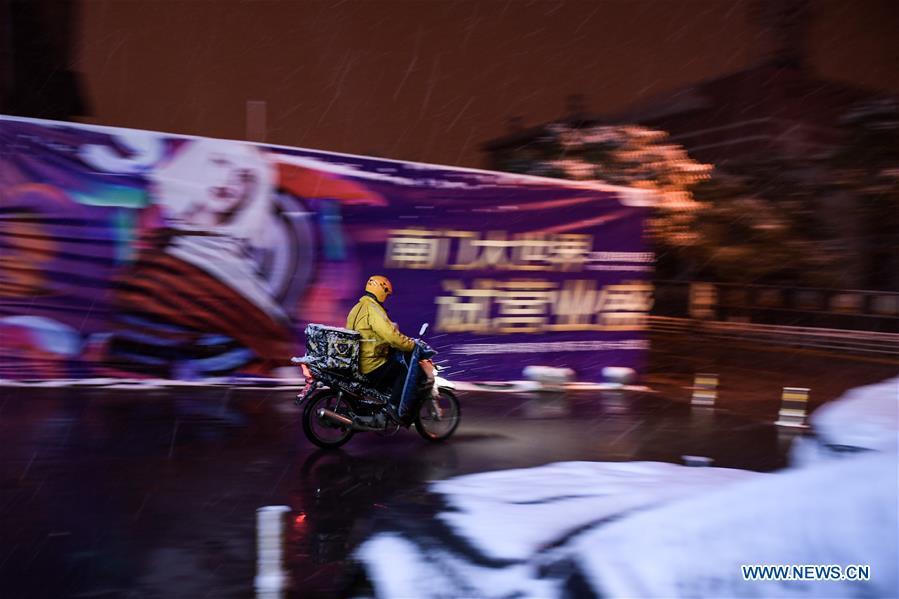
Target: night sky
<point>431,80</point>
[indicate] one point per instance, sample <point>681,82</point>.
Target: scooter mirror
<point>424,328</point>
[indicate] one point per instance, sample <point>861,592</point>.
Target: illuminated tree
<point>627,155</point>
<point>762,221</point>
<point>817,219</point>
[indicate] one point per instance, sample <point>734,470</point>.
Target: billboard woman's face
<point>206,184</point>
<point>229,185</point>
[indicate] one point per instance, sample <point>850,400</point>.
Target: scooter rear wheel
<point>320,430</point>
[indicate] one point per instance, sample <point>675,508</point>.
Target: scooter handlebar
<point>425,348</point>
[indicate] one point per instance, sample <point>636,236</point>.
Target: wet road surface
<point>116,493</point>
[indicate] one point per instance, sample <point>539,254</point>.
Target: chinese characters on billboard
<point>523,305</point>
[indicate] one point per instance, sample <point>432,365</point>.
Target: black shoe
<point>407,419</point>
<point>404,421</point>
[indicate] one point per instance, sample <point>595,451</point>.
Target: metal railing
<point>803,307</point>
<point>862,342</point>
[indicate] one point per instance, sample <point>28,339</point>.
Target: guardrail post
<point>793,408</point>
<point>705,391</point>
<point>271,579</point>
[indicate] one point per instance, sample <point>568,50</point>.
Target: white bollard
<point>550,378</point>
<point>271,579</point>
<point>619,375</point>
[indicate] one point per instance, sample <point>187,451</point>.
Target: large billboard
<point>141,254</point>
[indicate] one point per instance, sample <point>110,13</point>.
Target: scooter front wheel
<point>321,430</point>
<point>438,417</point>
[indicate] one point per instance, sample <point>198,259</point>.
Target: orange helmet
<point>379,286</point>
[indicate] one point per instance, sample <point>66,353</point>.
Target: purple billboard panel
<point>133,253</point>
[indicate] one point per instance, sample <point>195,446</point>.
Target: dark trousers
<point>390,376</point>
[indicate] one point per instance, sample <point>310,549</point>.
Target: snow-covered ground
<point>645,529</point>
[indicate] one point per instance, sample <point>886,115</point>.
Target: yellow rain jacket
<point>379,334</point>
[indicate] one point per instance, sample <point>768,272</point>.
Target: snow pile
<point>842,512</point>
<point>644,529</point>
<point>502,529</point>
<point>863,419</point>
<point>497,511</point>
<point>867,417</point>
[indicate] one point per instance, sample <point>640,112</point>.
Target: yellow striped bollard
<point>705,391</point>
<point>793,408</point>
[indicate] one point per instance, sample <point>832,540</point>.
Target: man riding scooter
<point>369,377</point>
<point>380,339</point>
